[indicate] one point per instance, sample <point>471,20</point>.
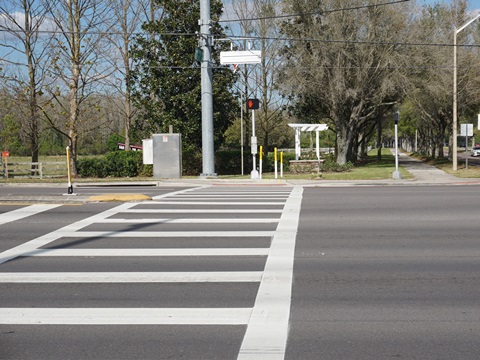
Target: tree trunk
<point>74,117</point>
<point>379,140</point>
<point>344,145</point>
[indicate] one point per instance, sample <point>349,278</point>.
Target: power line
<point>319,12</point>
<point>360,42</point>
<point>58,32</point>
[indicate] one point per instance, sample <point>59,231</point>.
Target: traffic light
<point>253,104</point>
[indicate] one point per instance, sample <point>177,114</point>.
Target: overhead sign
<point>240,57</point>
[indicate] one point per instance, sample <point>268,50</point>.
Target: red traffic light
<point>253,104</point>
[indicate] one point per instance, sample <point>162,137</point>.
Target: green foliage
<point>10,136</point>
<point>330,165</point>
<point>123,163</point>
<point>166,82</point>
<point>52,143</point>
<point>191,161</point>
<point>113,140</point>
<point>229,162</point>
<point>114,164</point>
<point>93,167</point>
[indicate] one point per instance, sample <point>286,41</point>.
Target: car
<point>476,151</point>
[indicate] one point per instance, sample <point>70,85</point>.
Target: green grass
<point>370,169</point>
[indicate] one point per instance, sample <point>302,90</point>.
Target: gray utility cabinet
<point>167,156</point>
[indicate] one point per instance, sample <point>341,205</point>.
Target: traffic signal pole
<point>208,152</point>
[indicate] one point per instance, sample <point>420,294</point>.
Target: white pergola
<point>307,127</point>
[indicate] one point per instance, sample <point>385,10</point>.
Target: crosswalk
<point>224,222</point>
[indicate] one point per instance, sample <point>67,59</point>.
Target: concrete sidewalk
<point>428,174</point>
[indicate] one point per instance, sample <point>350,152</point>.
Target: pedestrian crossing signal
<point>253,104</point>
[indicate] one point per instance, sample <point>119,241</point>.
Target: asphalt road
<point>386,273</point>
<point>205,273</point>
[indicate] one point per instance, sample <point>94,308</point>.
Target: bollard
<point>281,164</point>
<point>69,172</point>
<point>275,161</point>
<point>261,161</point>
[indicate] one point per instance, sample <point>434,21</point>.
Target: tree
<point>128,16</point>
<point>22,21</point>
<point>78,64</point>
<point>166,78</point>
<point>344,65</point>
<point>431,81</point>
<point>258,22</point>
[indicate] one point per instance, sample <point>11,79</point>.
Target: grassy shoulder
<point>369,169</point>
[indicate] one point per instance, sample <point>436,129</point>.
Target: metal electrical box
<point>167,156</point>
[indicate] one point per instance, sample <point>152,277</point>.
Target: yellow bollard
<point>261,160</point>
<point>69,172</point>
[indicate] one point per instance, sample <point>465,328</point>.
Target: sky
<point>474,4</point>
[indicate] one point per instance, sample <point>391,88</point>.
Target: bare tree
<point>22,23</point>
<point>257,20</point>
<point>128,17</point>
<point>79,65</point>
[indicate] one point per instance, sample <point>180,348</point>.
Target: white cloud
<point>16,22</point>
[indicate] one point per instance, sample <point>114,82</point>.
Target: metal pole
<point>208,153</point>
<point>254,173</point>
<point>241,131</point>
<point>396,174</point>
<point>396,147</point>
<point>275,161</point>
<point>466,146</point>
<point>454,124</point>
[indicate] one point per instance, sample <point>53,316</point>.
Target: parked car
<point>476,151</point>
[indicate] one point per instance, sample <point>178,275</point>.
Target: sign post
<point>5,155</point>
<point>396,118</point>
<point>466,130</point>
<point>253,104</point>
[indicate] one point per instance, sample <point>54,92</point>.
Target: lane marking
<point>204,211</point>
<point>130,277</point>
<point>229,196</point>
<point>267,330</point>
<point>163,234</point>
<point>226,202</point>
<point>190,221</point>
<point>151,252</point>
<point>124,316</point>
<point>25,212</point>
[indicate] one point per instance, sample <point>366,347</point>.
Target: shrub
<point>114,164</point>
<point>330,165</point>
<point>191,162</point>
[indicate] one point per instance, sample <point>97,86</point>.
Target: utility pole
<point>208,153</point>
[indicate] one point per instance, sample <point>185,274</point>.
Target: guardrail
<point>37,170</point>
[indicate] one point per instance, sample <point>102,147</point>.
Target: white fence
<point>37,170</point>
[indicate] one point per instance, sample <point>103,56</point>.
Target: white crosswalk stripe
<point>24,212</point>
<point>266,322</point>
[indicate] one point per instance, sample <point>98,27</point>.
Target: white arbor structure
<point>307,127</point>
